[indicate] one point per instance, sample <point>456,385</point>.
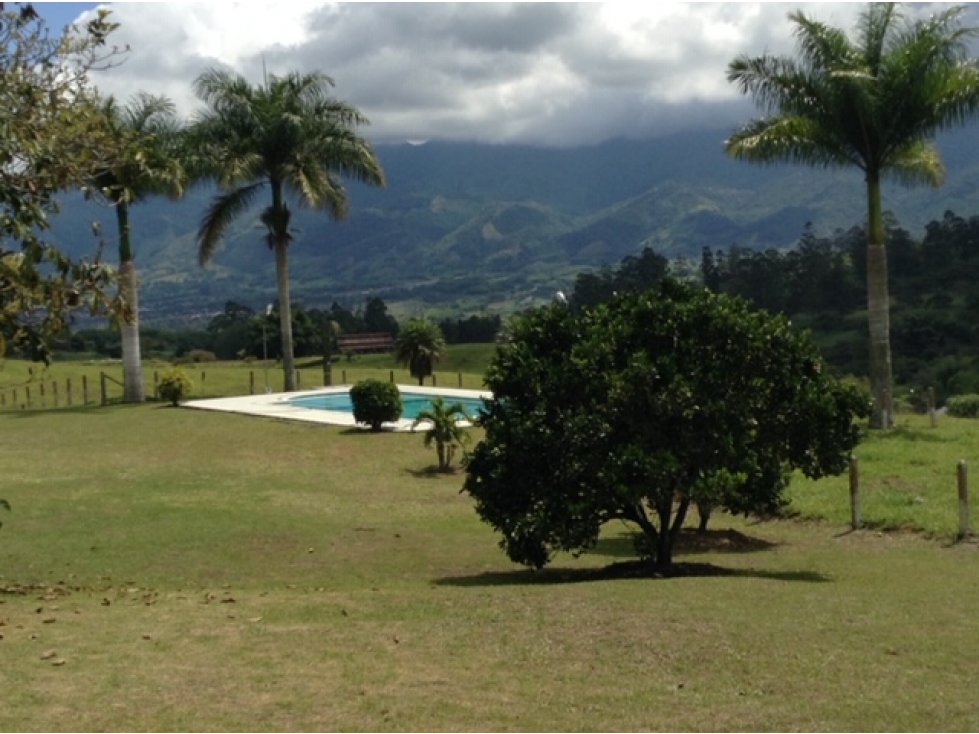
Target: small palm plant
<point>444,431</point>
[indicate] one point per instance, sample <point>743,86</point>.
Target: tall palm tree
<point>419,346</point>
<point>872,101</point>
<point>143,162</point>
<point>286,134</point>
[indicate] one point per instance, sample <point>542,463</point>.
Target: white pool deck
<point>277,405</point>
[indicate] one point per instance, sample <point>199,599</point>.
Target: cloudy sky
<point>551,74</point>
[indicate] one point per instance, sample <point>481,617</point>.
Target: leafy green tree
<point>377,319</point>
<point>419,346</point>
<point>286,134</point>
<point>375,403</point>
<point>145,162</point>
<point>872,102</point>
<point>635,409</point>
<point>444,429</point>
<point>52,140</point>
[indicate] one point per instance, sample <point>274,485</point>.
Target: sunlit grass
<point>203,571</point>
<point>907,478</point>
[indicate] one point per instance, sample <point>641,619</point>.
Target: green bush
<point>175,386</point>
<point>375,402</point>
<point>963,406</point>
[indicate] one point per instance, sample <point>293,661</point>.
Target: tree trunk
<point>878,308</point>
<point>440,450</point>
<point>132,365</point>
<point>664,542</point>
<point>285,316</point>
<point>703,510</point>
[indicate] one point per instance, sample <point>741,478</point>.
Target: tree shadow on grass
<point>432,471</point>
<point>622,570</point>
<point>690,542</point>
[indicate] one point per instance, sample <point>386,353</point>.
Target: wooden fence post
<point>202,381</point>
<point>251,382</point>
<point>15,398</point>
<point>963,499</point>
<point>68,390</point>
<point>84,389</point>
<point>391,376</point>
<point>434,380</point>
<point>931,407</point>
<point>299,379</point>
<point>343,376</point>
<point>156,385</point>
<point>854,493</point>
<point>103,388</point>
<point>44,402</point>
<point>54,392</point>
<point>460,379</point>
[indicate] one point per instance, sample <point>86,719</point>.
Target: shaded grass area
<point>199,571</point>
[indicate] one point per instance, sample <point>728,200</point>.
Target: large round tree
<point>289,136</point>
<point>636,409</point>
<point>871,101</point>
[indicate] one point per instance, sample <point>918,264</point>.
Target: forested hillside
<point>465,228</point>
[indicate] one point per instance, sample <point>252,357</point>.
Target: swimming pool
<point>287,406</point>
<point>413,403</point>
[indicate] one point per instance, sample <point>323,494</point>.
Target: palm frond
<point>220,214</point>
<point>917,163</point>
<point>788,140</point>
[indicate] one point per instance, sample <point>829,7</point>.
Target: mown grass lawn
<point>168,569</point>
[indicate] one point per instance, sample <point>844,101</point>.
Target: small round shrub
<point>175,386</point>
<point>963,406</point>
<point>375,402</point>
<point>201,355</point>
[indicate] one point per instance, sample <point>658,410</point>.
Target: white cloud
<point>549,73</point>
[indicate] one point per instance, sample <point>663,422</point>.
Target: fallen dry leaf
<point>48,654</point>
<point>62,661</point>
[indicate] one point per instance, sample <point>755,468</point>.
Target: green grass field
<point>463,366</point>
<point>169,569</point>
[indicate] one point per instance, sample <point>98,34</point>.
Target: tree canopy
<point>871,101</point>
<point>286,134</point>
<point>634,409</point>
<point>53,138</point>
<point>419,346</point>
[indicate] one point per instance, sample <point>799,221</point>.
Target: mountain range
<point>466,228</point>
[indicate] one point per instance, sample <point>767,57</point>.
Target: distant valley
<point>467,228</point>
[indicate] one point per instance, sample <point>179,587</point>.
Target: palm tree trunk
<point>132,366</point>
<point>285,316</point>
<point>878,308</point>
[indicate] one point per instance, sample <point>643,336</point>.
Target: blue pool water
<point>413,403</point>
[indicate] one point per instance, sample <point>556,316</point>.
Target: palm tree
<point>873,102</point>
<point>419,346</point>
<point>143,162</point>
<point>444,430</point>
<point>289,135</point>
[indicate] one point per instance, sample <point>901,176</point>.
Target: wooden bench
<point>365,343</point>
